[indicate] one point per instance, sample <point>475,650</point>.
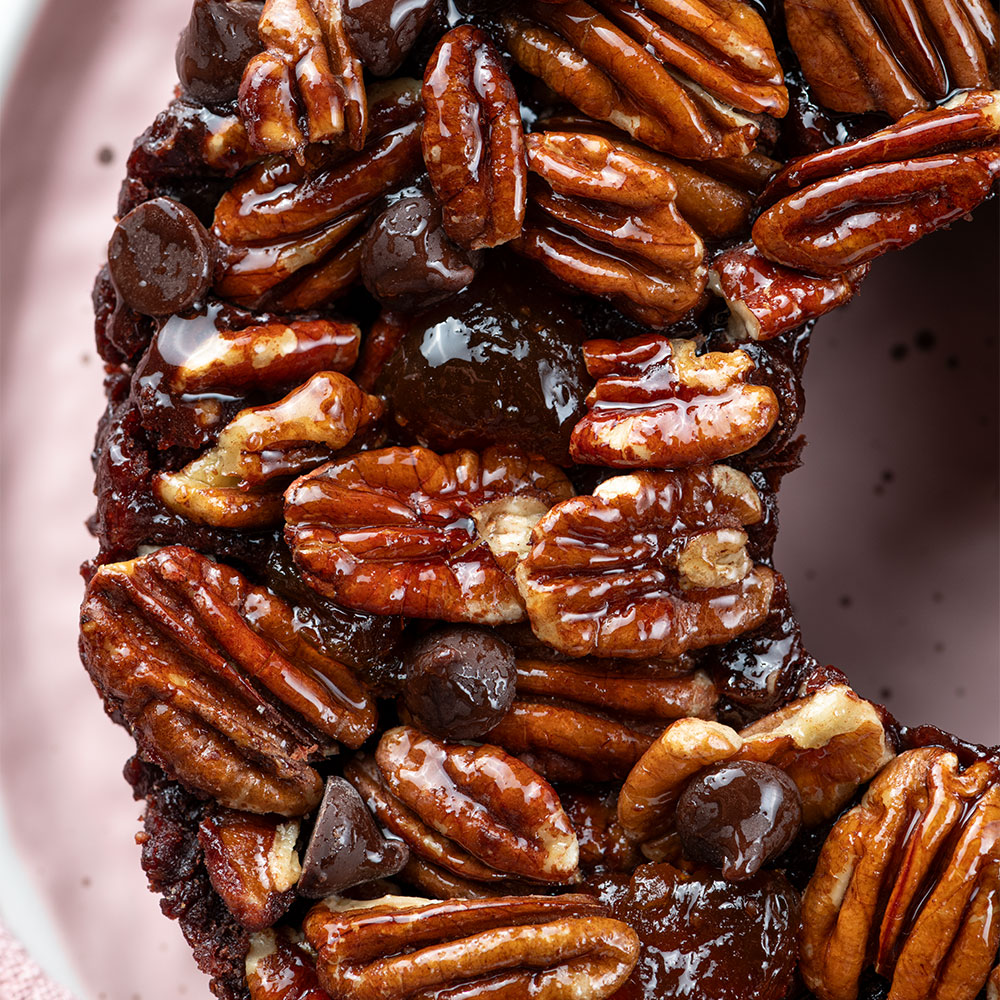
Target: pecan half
<point>393,531</point>
<point>651,565</point>
<point>765,299</point>
<point>238,483</point>
<point>279,968</point>
<point>681,78</point>
<point>870,55</point>
<point>607,223</point>
<point>829,743</point>
<point>885,191</point>
<point>290,230</point>
<point>252,864</point>
<point>399,947</point>
<point>484,800</point>
<point>214,679</point>
<point>909,880</point>
<point>307,85</point>
<point>591,720</point>
<point>659,404</point>
<point>473,141</point>
<point>445,856</point>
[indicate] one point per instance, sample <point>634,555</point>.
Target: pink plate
<point>889,532</point>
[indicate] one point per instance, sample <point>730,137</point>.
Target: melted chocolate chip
<point>738,816</point>
<point>499,363</point>
<point>161,258</point>
<point>706,939</point>
<point>346,847</point>
<point>459,682</point>
<point>382,32</point>
<point>218,42</point>
<point>407,260</point>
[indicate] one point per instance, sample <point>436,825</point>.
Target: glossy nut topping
<point>910,880</point>
<point>546,948</point>
<point>659,404</point>
<point>392,531</point>
<point>488,802</point>
<point>214,680</point>
<point>651,565</point>
<point>278,967</point>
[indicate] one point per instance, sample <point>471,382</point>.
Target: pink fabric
<point>21,978</point>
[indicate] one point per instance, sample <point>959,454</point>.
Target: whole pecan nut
<point>682,78</point>
<point>829,743</point>
<point>850,205</point>
<point>909,880</point>
<point>232,485</point>
<point>606,222</point>
<point>546,948</point>
<point>658,404</point>
<point>765,299</point>
<point>394,531</point>
<point>307,85</point>
<point>591,720</point>
<point>863,56</point>
<point>653,564</point>
<point>215,681</point>
<point>484,800</point>
<point>473,141</point>
<point>252,864</point>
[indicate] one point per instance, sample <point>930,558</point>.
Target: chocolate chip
<point>218,42</point>
<point>161,258</point>
<point>459,682</point>
<point>738,816</point>
<point>346,847</point>
<point>382,32</point>
<point>407,259</point>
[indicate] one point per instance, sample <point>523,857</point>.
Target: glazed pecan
<point>909,880</point>
<point>278,967</point>
<point>216,682</point>
<point>607,223</point>
<point>239,482</point>
<point>682,78</point>
<point>651,565</point>
<point>290,230</point>
<point>863,56</point>
<point>473,141</point>
<point>765,299</point>
<point>399,947</point>
<point>446,857</point>
<point>659,404</point>
<point>603,841</point>
<point>591,720</point>
<point>829,743</point>
<point>484,800</point>
<point>440,883</point>
<point>854,203</point>
<point>394,532</point>
<point>307,85</point>
<point>252,864</point>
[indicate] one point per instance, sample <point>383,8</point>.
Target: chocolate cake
<point>454,359</point>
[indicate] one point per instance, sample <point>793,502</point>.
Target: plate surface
<point>889,531</point>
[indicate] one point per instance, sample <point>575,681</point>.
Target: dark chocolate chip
<point>161,258</point>
<point>218,42</point>
<point>382,32</point>
<point>739,815</point>
<point>346,847</point>
<point>459,682</point>
<point>407,259</point>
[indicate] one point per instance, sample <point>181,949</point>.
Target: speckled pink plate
<point>889,533</point>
